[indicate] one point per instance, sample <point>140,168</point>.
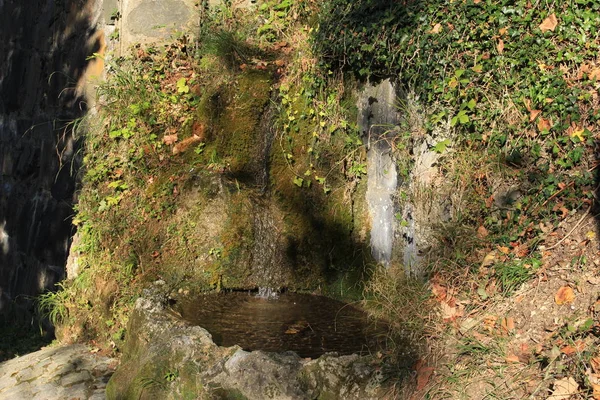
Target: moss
<point>227,394</point>
<point>232,111</point>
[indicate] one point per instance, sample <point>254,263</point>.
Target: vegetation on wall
<point>515,81</point>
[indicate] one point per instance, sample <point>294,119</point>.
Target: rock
<point>63,372</point>
<point>165,357</point>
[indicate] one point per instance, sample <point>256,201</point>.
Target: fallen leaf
<point>511,358</point>
<point>504,249</point>
<point>170,139</point>
<point>500,46</point>
<point>590,235</point>
<point>595,363</point>
<point>450,313</point>
<point>489,259</point>
<point>594,380</point>
<point>280,45</point>
<point>533,114</point>
<point>489,201</point>
<point>438,291</point>
<point>568,350</point>
<point>564,295</point>
<point>549,24</point>
<point>563,389</point>
<point>594,75</point>
<point>482,232</point>
<point>502,31</point>
<point>521,250</point>
<point>436,28</point>
<point>508,324</point>
<point>544,124</point>
<point>186,143</point>
<point>424,373</point>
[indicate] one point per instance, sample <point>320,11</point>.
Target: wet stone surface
<point>65,372</point>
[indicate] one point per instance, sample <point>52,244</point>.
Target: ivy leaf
<point>440,147</point>
<point>471,104</point>
<point>182,87</point>
<point>298,181</point>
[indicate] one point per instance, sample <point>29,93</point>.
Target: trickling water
<point>377,119</point>
<point>267,293</point>
<point>308,325</point>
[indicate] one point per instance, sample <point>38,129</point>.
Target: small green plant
<point>514,273</point>
<point>53,305</point>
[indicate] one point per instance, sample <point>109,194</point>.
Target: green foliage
<point>473,61</point>
<point>53,305</point>
<point>514,273</point>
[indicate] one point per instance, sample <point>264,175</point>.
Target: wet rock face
<point>44,45</point>
<point>377,119</point>
<point>182,361</point>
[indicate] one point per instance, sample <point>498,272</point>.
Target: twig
<point>572,230</point>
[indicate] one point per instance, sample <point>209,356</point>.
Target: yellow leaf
<point>436,28</point>
<point>590,235</point>
<point>549,24</point>
<point>578,133</point>
<point>489,259</point>
<point>564,295</point>
<point>503,31</point>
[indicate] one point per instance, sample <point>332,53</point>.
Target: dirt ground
<point>539,342</point>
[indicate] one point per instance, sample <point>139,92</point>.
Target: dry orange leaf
<point>482,232</point>
<point>503,31</point>
<point>185,144</point>
<point>549,24</point>
<point>533,114</point>
<point>424,373</point>
<point>508,324</point>
<point>170,139</point>
<point>564,295</point>
<point>504,249</point>
<point>568,350</point>
<point>595,74</point>
<point>595,363</point>
<point>511,358</point>
<point>500,46</point>
<point>544,124</point>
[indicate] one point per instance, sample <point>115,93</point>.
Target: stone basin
<point>167,357</point>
